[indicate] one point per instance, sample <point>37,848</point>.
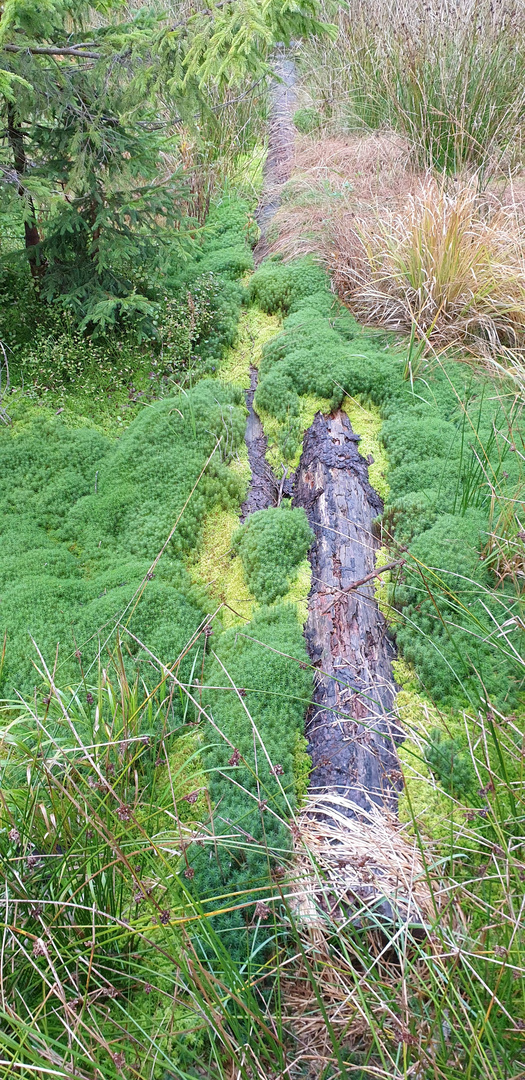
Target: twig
<point>363,580</point>
<point>52,50</point>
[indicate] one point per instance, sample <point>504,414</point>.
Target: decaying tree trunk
<point>351,728</point>
<point>279,159</point>
<point>265,489</point>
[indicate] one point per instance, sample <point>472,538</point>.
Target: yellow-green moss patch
<point>302,767</point>
<point>422,805</point>
<point>255,329</point>
<point>367,422</point>
<point>309,405</point>
<point>220,570</point>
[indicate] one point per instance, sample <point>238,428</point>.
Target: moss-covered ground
<point>120,534</point>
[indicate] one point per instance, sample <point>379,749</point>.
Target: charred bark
<point>263,490</point>
<point>351,726</point>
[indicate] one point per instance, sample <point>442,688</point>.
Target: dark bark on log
<point>264,487</point>
<point>351,727</point>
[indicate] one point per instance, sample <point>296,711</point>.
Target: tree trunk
<point>352,727</point>
<point>32,235</point>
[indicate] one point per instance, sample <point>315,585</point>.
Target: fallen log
<point>351,726</point>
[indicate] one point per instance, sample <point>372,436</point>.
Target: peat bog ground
<point>261,578</point>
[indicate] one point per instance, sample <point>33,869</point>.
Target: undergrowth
<point>258,686</point>
<point>105,378</point>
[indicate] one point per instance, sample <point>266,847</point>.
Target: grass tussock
<point>365,857</point>
<point>113,965</point>
<point>448,267</point>
<point>449,77</point>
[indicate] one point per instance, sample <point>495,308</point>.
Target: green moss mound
<point>277,286</point>
<point>259,688</point>
<point>451,764</point>
<point>450,454</point>
<point>272,545</point>
<point>82,519</point>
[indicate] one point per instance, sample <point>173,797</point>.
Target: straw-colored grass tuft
<point>449,266</point>
<point>345,869</point>
<point>334,175</point>
<point>350,865</point>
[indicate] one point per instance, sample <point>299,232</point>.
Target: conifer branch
<point>52,50</point>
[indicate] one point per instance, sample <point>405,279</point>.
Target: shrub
<point>307,120</point>
<point>272,544</point>
<point>196,326</point>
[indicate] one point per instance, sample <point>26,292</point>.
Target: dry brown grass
<point>335,176</point>
<point>364,859</point>
<point>344,866</point>
<point>449,266</point>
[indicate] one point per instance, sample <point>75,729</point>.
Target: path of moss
<point>215,564</point>
<point>423,807</point>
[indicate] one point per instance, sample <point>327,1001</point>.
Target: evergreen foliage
<point>82,86</point>
<point>196,321</point>
<point>272,544</point>
<point>259,687</point>
<point>448,445</point>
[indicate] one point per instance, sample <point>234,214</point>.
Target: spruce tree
<point>90,96</point>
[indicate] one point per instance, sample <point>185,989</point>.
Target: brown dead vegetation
<point>344,866</point>
<point>333,177</point>
<point>424,255</point>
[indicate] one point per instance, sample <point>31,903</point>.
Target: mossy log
<point>351,727</point>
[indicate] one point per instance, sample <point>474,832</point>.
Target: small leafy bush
<point>272,544</point>
<point>307,120</point>
<point>60,359</point>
